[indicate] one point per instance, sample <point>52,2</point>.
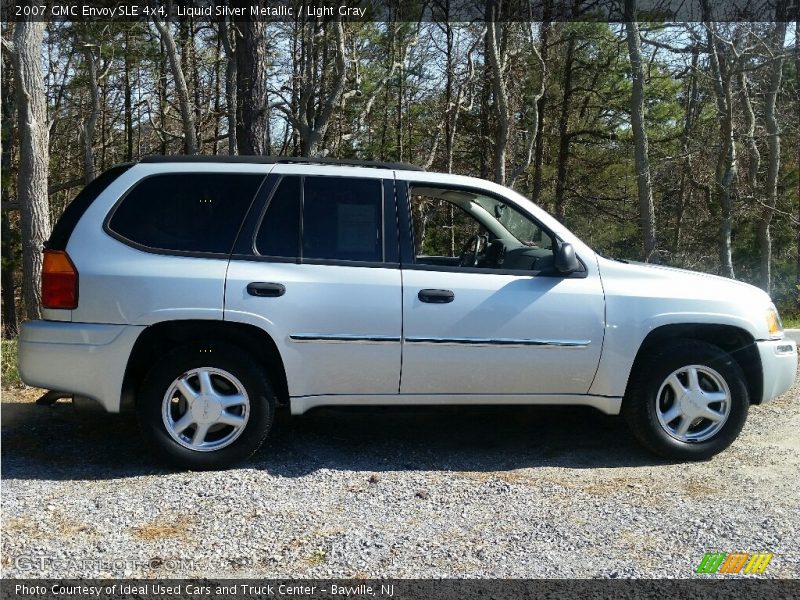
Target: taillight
<point>59,281</point>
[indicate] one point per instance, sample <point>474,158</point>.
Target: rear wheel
<point>688,401</point>
<point>206,406</point>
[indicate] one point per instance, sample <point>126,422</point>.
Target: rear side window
<point>342,219</point>
<point>75,209</point>
<point>186,212</point>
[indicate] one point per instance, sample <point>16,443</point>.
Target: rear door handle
<point>436,296</point>
<point>266,290</point>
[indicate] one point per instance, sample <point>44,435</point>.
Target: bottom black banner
<point>395,589</point>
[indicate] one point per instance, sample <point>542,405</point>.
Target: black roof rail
<point>270,160</point>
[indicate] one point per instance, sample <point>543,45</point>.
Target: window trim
<point>408,256</point>
<point>166,251</point>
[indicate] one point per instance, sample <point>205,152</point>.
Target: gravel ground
<point>435,492</point>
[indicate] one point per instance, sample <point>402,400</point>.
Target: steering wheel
<point>469,258</point>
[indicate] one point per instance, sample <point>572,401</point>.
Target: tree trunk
<point>726,162</point>
<point>774,145</point>
<point>797,71</point>
<point>231,100</point>
<point>753,155</point>
<point>94,111</point>
<point>7,253</point>
<point>128,100</point>
<point>563,131</point>
<point>251,87</point>
<point>181,89</point>
<point>687,176</point>
<point>496,64</point>
<point>314,121</point>
<point>647,217</point>
<point>10,328</point>
<point>33,158</point>
<point>538,156</point>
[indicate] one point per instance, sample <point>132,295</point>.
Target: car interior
<point>459,228</point>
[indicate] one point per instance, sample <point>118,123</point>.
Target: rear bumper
<point>779,366</point>
<point>80,358</point>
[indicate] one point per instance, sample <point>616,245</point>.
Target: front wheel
<point>688,401</point>
<point>206,406</point>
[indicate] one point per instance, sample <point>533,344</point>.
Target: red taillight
<point>59,281</point>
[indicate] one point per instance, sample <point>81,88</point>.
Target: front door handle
<point>266,290</point>
<point>436,296</point>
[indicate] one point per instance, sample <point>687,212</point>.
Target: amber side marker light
<point>59,281</point>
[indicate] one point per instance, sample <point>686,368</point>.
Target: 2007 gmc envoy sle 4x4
<point>201,292</point>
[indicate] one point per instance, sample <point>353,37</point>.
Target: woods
<point>672,143</point>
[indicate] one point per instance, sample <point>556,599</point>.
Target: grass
<point>791,322</point>
<point>9,375</point>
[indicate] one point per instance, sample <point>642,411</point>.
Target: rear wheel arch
<point>735,341</point>
<point>159,339</point>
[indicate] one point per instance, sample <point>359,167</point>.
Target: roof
<point>270,160</point>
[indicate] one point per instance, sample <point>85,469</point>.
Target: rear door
<point>317,267</point>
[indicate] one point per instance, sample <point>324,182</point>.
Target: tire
<point>213,385</point>
<point>666,405</point>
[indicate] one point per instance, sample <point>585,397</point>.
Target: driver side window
<point>459,228</point>
<point>441,230</point>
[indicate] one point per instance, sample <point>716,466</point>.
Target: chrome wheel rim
<point>205,409</point>
<point>693,403</point>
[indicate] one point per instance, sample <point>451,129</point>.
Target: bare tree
<point>496,59</point>
<point>181,89</point>
<point>773,143</point>
<point>647,218</point>
<point>94,77</point>
<point>316,101</point>
<point>34,209</point>
<point>726,158</point>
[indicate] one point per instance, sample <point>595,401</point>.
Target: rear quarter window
<point>185,212</point>
<point>75,209</point>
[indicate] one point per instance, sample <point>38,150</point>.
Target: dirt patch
<point>163,529</point>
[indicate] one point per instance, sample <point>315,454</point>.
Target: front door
<point>484,312</point>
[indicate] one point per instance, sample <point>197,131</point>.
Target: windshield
<point>518,225</point>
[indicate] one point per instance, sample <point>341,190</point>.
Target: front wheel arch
<point>734,340</point>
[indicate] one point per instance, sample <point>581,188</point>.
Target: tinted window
<point>74,211</point>
<point>279,234</point>
<point>342,219</point>
<point>193,212</point>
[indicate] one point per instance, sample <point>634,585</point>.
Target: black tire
<point>224,357</point>
<point>639,407</point>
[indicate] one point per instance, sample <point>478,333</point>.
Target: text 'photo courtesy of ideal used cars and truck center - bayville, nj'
<point>491,298</point>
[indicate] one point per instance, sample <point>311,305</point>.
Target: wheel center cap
<point>206,410</point>
<point>691,403</point>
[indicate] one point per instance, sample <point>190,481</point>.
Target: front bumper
<point>778,365</point>
<point>80,358</point>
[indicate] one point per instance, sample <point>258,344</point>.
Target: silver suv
<point>202,292</point>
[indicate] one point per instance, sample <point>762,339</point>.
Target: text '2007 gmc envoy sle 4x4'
<point>202,292</point>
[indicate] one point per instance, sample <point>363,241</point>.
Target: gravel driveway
<point>434,492</point>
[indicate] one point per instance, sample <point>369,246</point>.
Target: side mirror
<point>565,260</point>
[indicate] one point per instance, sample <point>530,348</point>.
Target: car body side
<point>124,291</point>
